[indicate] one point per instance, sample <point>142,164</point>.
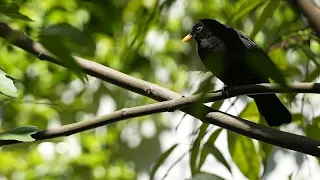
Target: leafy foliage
<point>142,39</point>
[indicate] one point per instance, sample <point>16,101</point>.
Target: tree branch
<point>159,93</point>
<point>241,126</point>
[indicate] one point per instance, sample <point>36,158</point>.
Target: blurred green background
<point>142,38</point>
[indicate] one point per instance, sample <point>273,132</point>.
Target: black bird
<point>225,51</point>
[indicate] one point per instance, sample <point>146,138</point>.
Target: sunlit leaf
<point>20,134</point>
<point>244,154</point>
<point>250,112</point>
<point>278,56</point>
<point>7,87</point>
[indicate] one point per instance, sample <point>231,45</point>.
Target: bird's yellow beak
<point>187,38</point>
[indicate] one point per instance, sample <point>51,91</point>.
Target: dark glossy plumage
<point>224,52</point>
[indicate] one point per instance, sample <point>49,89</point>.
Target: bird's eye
<point>199,28</point>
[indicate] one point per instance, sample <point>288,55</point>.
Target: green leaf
<point>214,136</point>
<point>55,44</point>
<point>265,152</point>
<point>267,12</point>
<point>278,56</point>
<point>244,154</point>
<point>250,112</point>
<point>7,87</point>
<point>195,149</point>
<point>160,161</point>
<point>22,134</point>
<point>11,10</point>
<point>264,66</point>
<point>204,151</point>
<point>217,154</point>
<point>312,130</point>
<point>205,176</point>
<point>217,104</point>
<point>245,9</point>
<point>75,40</point>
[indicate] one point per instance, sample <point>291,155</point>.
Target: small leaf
<point>22,134</point>
<point>11,10</point>
<point>7,87</point>
<point>73,38</point>
<point>267,12</point>
<point>160,161</point>
<point>205,176</point>
<point>313,129</point>
<point>56,46</point>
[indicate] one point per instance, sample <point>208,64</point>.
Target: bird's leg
<point>228,89</point>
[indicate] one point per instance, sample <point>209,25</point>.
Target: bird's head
<point>203,29</point>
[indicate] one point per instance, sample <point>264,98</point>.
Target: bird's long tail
<point>271,108</point>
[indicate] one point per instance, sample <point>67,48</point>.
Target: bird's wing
<point>249,43</point>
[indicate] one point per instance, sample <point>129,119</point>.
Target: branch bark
<point>249,129</point>
<point>241,126</point>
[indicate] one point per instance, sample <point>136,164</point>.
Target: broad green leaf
<point>312,130</point>
<point>7,87</point>
<point>250,112</point>
<point>267,12</point>
<point>160,161</point>
<point>205,176</point>
<point>204,151</point>
<point>56,46</point>
<point>278,56</point>
<point>217,154</point>
<point>75,40</point>
<point>11,9</point>
<point>244,154</point>
<point>22,134</point>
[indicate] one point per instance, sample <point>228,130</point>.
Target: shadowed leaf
<point>160,161</point>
